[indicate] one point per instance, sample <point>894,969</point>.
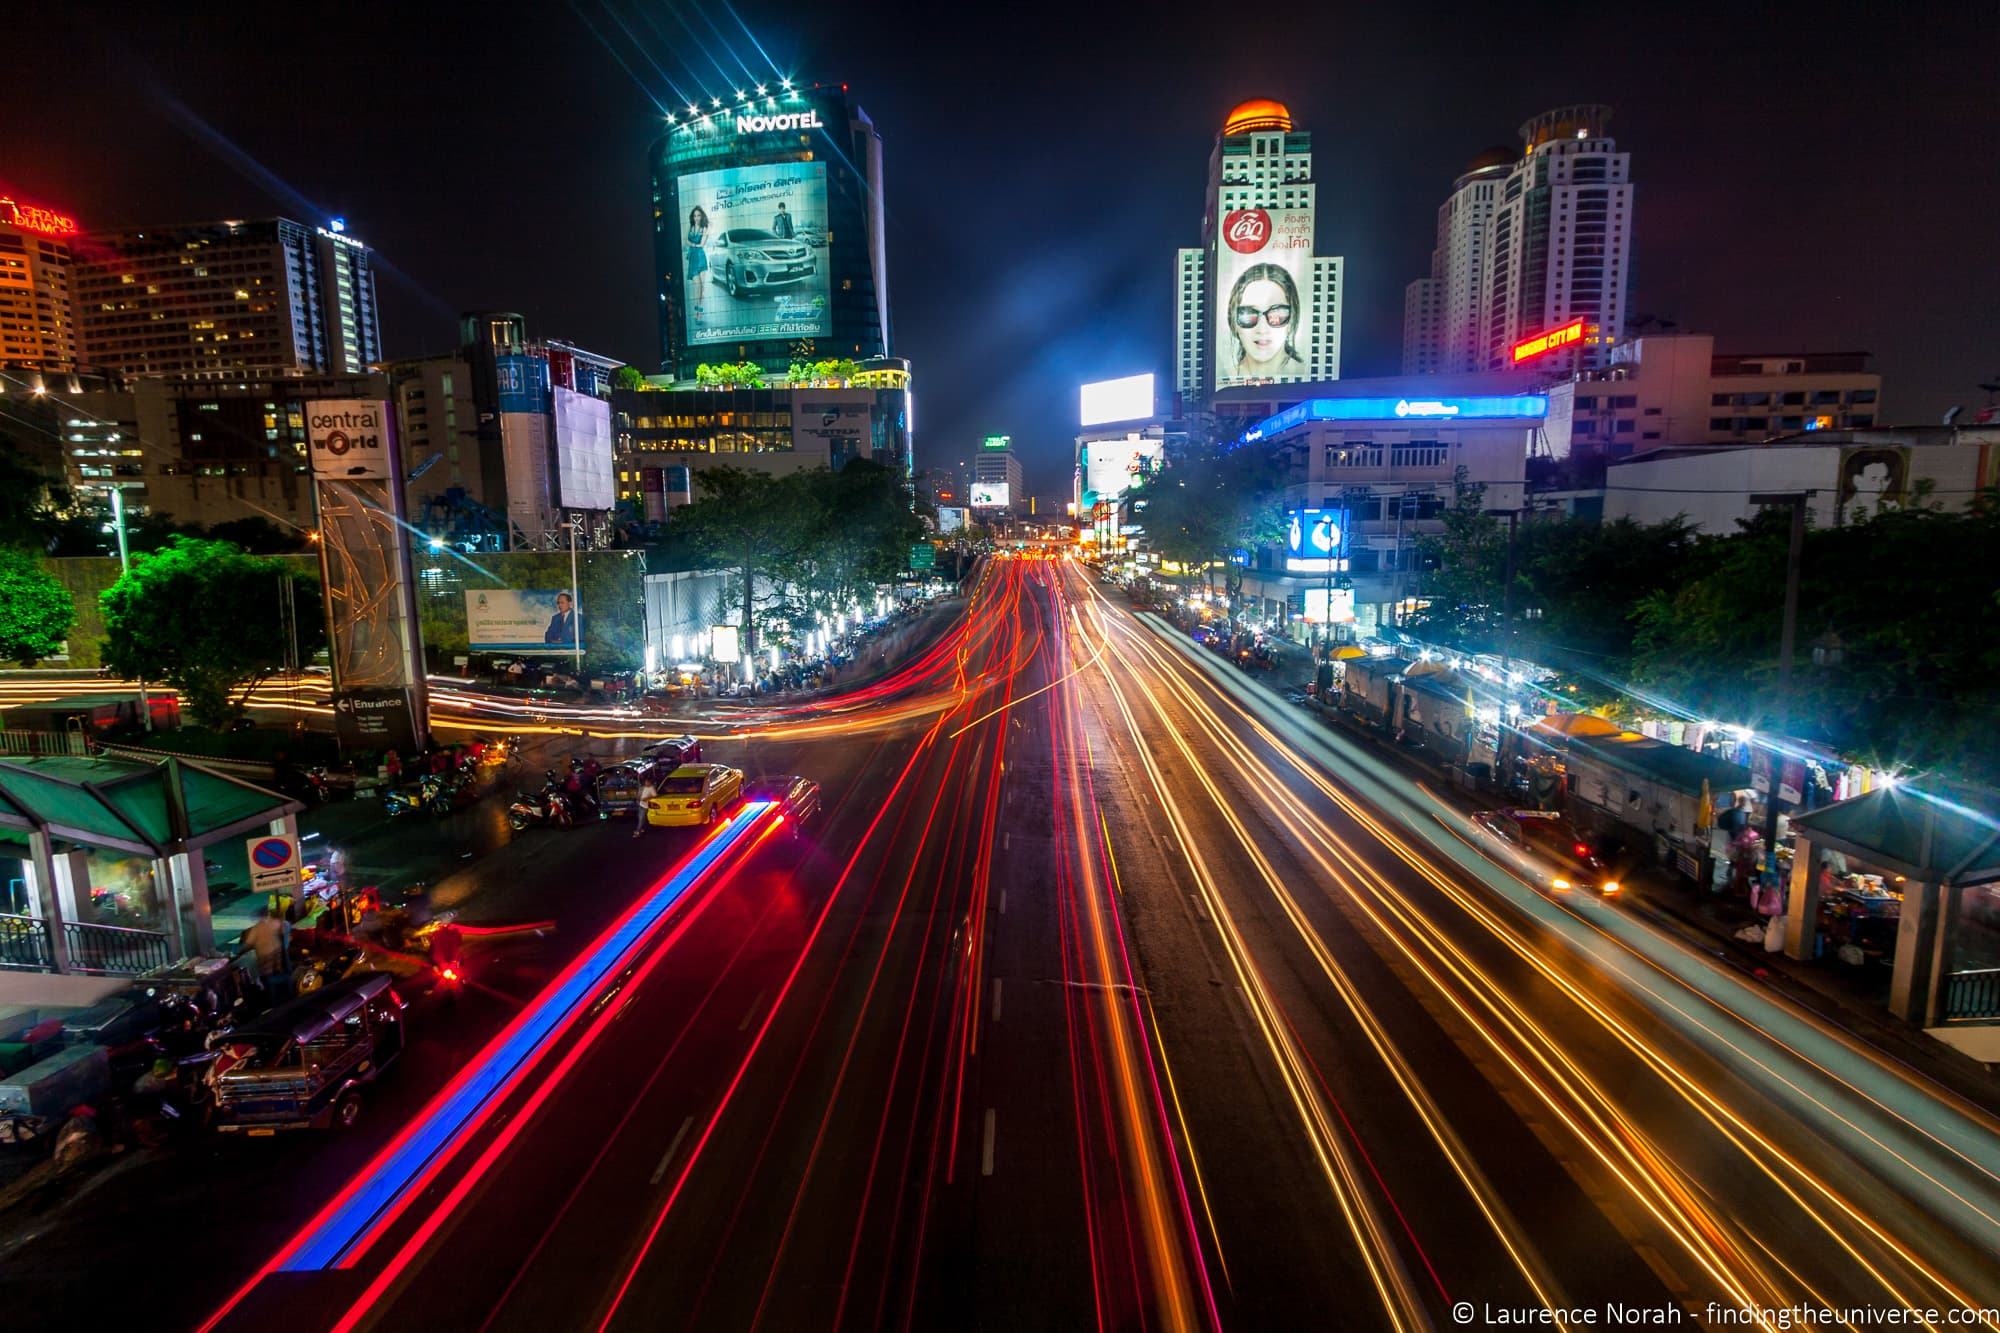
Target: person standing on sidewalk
<point>647,791</point>
<point>265,937</point>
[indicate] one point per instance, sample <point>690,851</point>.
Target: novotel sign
<point>1560,336</point>
<point>1478,407</point>
<point>777,122</point>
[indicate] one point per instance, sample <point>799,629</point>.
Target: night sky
<point>1811,178</point>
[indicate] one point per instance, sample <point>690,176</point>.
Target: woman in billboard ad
<point>1263,316</point>
<point>1265,259</point>
<point>697,257</point>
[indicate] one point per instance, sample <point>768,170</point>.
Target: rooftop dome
<point>1259,113</point>
<point>1500,155</point>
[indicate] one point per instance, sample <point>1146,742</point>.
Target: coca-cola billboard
<point>1263,294</point>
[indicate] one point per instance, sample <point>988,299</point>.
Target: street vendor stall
<point>1905,874</point>
<point>1663,792</point>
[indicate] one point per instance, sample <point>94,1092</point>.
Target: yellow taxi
<point>695,794</point>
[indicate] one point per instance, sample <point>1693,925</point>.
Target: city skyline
<point>1769,218</point>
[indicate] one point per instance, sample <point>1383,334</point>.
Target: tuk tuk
<point>304,1064</point>
<point>618,786</point>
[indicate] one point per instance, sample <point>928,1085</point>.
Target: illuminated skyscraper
<point>1561,240</point>
<point>217,299</point>
<point>767,232</point>
<point>1441,312</point>
<point>37,322</point>
<point>1254,304</point>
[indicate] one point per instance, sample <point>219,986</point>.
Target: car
<point>797,798</point>
<point>812,234</point>
<point>754,260</point>
<point>695,794</point>
<point>1548,850</point>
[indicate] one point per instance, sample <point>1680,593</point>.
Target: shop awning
<point>1941,832</point>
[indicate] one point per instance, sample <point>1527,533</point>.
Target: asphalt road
<point>1105,992</point>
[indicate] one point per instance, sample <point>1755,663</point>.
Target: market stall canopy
<point>146,808</point>
<point>1584,736</point>
<point>1574,724</point>
<point>1948,832</point>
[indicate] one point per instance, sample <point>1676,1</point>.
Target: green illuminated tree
<point>206,618</point>
<point>629,377</point>
<point>36,611</point>
<point>730,375</point>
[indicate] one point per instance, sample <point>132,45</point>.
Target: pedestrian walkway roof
<point>128,805</point>
<point>1939,833</point>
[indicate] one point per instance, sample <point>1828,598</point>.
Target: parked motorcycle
<point>548,807</point>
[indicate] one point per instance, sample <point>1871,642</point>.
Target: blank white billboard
<point>1127,399</point>
<point>990,495</point>
<point>583,450</point>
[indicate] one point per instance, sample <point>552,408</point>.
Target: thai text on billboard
<point>753,253</point>
<point>523,620</point>
<point>1263,290</point>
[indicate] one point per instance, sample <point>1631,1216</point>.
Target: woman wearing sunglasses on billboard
<point>1261,311</point>
<point>697,256</point>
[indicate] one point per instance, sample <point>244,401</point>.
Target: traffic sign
<point>274,863</point>
<point>923,556</point>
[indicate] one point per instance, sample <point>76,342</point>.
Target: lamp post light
<point>125,568</point>
<point>575,603</point>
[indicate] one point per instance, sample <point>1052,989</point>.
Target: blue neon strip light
<point>385,1186</point>
<point>1504,407</point>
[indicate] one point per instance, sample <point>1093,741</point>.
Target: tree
<point>629,377</point>
<point>204,617</point>
<point>25,499</point>
<point>730,375</point>
<point>831,371</point>
<point>1903,608</point>
<point>36,611</point>
<point>856,527</point>
<point>1212,503</point>
<point>1467,565</point>
<point>749,521</point>
<point>258,535</point>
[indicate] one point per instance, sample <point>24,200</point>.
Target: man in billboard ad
<point>522,619</point>
<point>1263,281</point>
<point>747,270</point>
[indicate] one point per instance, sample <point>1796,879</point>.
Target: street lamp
<point>117,489</point>
<point>575,603</point>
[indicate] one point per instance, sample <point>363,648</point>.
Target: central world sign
<point>778,122</point>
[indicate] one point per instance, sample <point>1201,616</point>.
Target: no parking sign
<point>274,863</point>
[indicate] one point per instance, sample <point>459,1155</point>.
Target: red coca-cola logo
<point>1247,230</point>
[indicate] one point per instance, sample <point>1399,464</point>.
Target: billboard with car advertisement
<point>522,620</point>
<point>1263,292</point>
<point>754,261</point>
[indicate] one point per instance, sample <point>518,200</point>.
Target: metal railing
<point>24,943</point>
<point>115,950</point>
<point>104,950</point>
<point>33,743</point>
<point>1971,997</point>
